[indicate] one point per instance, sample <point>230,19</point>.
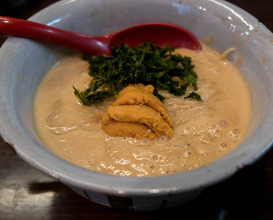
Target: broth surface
<point>203,131</point>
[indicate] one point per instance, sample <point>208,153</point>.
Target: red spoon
<point>160,33</point>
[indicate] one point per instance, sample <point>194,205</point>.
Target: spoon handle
<point>27,29</point>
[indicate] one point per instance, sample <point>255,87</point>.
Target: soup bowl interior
<point>23,64</point>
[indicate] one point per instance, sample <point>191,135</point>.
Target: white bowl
<point>23,63</point>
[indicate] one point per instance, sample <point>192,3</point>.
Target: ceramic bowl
<point>23,63</point>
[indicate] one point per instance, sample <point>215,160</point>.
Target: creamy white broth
<point>203,131</point>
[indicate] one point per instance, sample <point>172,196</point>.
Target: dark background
<point>27,194</point>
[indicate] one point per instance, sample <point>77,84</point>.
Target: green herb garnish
<point>146,64</point>
<point>194,95</point>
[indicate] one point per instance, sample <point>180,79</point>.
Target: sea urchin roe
<point>137,113</point>
<point>116,128</point>
<point>202,131</point>
<point>142,95</point>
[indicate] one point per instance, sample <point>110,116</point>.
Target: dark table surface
<point>28,194</point>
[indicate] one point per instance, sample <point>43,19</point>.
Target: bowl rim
<point>115,185</point>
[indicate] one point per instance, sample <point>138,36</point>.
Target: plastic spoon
<point>161,33</point>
